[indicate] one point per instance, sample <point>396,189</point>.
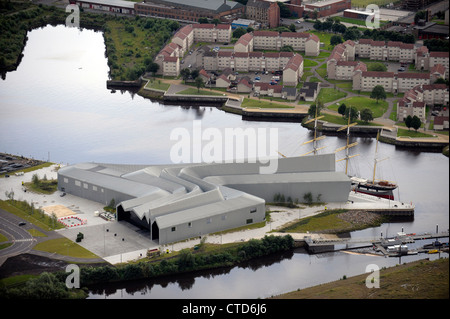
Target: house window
<point>173,229</point>
<point>190,224</point>
<point>66,180</point>
<point>209,220</point>
<point>253,211</point>
<point>77,183</point>
<point>249,221</point>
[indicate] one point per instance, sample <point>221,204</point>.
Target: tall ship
<point>379,188</point>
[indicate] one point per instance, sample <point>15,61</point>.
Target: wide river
<point>56,106</point>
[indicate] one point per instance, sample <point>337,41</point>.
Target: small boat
<point>433,251</point>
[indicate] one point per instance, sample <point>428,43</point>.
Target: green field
<point>327,95</point>
<point>364,3</point>
<point>361,103</point>
<point>192,91</point>
<point>263,104</point>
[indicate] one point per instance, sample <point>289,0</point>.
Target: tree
<point>318,25</point>
<point>199,83</point>
<point>351,34</point>
<point>284,10</point>
<point>366,115</point>
<point>408,121</point>
<point>336,39</point>
<point>203,20</point>
<point>312,108</point>
<point>378,93</point>
<point>352,112</point>
<point>287,48</point>
<point>416,123</point>
<point>239,32</point>
<point>342,108</point>
<point>377,66</point>
<point>35,180</point>
<point>185,73</point>
<point>292,27</point>
<point>152,67</point>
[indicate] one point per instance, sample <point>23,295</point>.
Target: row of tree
<point>52,285</point>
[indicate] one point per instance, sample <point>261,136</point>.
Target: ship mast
<point>315,139</point>
<point>347,146</point>
<point>376,160</point>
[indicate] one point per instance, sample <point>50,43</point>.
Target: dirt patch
<point>29,264</point>
<point>360,218</point>
<point>59,211</point>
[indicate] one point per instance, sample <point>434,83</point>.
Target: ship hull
<point>382,194</point>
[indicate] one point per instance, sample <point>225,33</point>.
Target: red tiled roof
<point>241,54</point>
<point>204,26</point>
<point>439,68</point>
<point>314,37</point>
<point>378,43</point>
<point>225,53</point>
<point>377,74</point>
<point>347,63</point>
<point>294,35</point>
<point>439,54</point>
<point>255,54</point>
<point>223,26</point>
<point>170,58</point>
<point>418,104</point>
<point>365,41</point>
<point>265,33</point>
<point>413,75</point>
<point>439,120</point>
<point>272,54</point>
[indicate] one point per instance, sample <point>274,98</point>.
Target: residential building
<point>299,41</point>
<point>265,12</point>
<point>183,40</point>
<point>266,40</point>
<point>441,123</point>
<point>293,71</point>
<point>415,100</point>
<point>380,50</point>
<point>244,44</point>
<point>309,91</point>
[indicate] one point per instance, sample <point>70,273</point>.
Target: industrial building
<point>180,201</point>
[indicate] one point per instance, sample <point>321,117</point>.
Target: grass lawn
<point>338,119</point>
<point>327,95</point>
<point>324,37</point>
<point>263,104</point>
<point>66,247</point>
<point>309,63</point>
<point>194,91</point>
<point>411,133</point>
<point>157,84</point>
<point>422,279</point>
<point>361,102</point>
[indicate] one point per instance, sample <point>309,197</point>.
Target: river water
<point>56,106</point>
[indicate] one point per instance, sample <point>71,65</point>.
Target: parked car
<point>257,78</point>
<point>401,69</point>
<point>22,224</point>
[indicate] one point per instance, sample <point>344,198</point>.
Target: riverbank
<point>421,279</point>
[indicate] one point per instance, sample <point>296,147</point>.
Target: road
<point>22,241</point>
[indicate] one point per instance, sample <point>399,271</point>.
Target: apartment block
<point>380,50</point>
<point>299,41</point>
<point>414,101</point>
